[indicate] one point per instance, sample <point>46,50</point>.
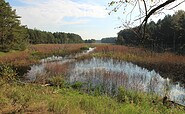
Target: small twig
<point>176,5</point>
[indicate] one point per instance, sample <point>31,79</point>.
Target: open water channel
<point>112,74</point>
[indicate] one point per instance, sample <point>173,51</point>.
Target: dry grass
<point>16,58</point>
<point>167,64</point>
<point>51,48</point>
<point>55,69</point>
<point>35,52</point>
<point>33,98</point>
<point>141,54</point>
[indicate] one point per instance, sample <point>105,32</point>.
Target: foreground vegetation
<point>34,98</point>
<point>61,97</point>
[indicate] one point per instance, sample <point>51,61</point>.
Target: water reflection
<point>114,73</point>
<point>111,74</point>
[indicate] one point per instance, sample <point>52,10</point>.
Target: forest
<point>165,35</point>
<point>111,40</point>
<point>43,37</point>
<point>14,36</point>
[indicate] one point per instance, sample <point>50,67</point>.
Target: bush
<point>57,81</point>
<point>129,96</point>
<point>77,85</point>
<point>7,73</point>
<point>84,48</point>
<point>121,97</point>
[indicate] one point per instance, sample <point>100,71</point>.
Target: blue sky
<point>88,18</point>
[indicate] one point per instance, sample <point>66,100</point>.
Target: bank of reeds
<point>167,64</point>
<point>62,98</point>
<point>21,60</point>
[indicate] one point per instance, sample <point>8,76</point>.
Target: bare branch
<point>152,12</point>
<point>146,12</point>
<point>176,5</point>
<point>157,8</point>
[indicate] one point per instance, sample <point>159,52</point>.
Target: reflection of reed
<point>55,69</point>
<point>108,72</point>
<point>113,74</point>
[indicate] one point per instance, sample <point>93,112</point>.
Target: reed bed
<point>166,64</point>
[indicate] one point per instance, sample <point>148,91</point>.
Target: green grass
<point>2,53</point>
<point>33,98</point>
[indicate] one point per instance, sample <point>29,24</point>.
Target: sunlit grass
<point>167,64</point>
<point>31,98</point>
<point>35,52</point>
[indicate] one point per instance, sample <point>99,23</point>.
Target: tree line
<point>110,40</point>
<point>90,41</point>
<point>166,34</point>
<point>43,37</point>
<point>14,36</point>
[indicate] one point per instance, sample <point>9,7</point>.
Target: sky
<point>88,18</point>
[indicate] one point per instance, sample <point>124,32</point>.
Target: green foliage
<point>99,90</point>
<point>77,85</point>
<point>7,74</point>
<point>111,40</point>
<point>13,36</point>
<point>129,96</point>
<point>90,41</point>
<point>121,97</point>
<point>84,48</point>
<point>18,97</point>
<point>57,106</point>
<point>43,37</point>
<point>26,98</point>
<point>57,81</point>
<point>165,35</point>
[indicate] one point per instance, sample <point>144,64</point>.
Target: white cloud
<point>51,13</point>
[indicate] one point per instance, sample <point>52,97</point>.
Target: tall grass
<point>30,98</point>
<point>166,64</point>
<point>21,60</point>
<point>71,99</point>
<point>19,97</point>
<point>36,52</point>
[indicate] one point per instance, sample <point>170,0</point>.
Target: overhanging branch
<point>149,14</point>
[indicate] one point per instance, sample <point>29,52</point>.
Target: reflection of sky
<point>88,18</point>
<point>119,72</point>
<point>96,68</point>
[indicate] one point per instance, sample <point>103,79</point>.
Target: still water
<point>112,74</point>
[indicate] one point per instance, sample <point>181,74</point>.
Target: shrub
<point>77,85</point>
<point>57,81</point>
<point>129,96</point>
<point>121,96</point>
<point>7,73</point>
<point>84,48</point>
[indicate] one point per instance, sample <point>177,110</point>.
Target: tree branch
<point>148,15</point>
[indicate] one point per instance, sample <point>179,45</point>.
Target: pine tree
<point>13,36</point>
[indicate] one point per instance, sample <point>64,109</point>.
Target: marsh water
<point>111,74</point>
